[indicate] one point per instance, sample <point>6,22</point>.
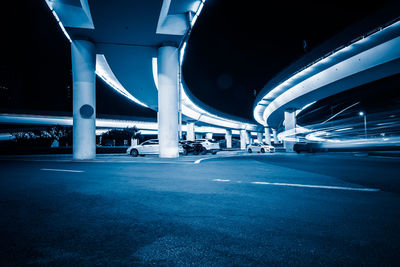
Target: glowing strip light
<point>60,24</point>
<point>306,106</point>
<point>182,52</point>
<point>259,112</point>
<point>67,121</point>
<point>155,71</point>
<point>144,126</point>
<point>104,71</point>
<point>197,14</point>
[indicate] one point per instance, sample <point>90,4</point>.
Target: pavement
<point>232,209</point>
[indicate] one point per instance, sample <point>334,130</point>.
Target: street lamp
<point>361,113</point>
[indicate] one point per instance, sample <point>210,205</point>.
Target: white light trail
<point>61,170</point>
<point>340,112</point>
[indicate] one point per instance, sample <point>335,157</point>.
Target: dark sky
<point>234,49</point>
<point>35,65</point>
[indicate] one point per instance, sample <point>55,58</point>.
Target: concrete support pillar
<point>290,124</point>
<point>267,133</point>
<point>168,125</point>
<point>276,141</point>
<point>209,135</point>
<point>228,138</point>
<point>198,135</point>
<point>190,131</point>
<point>259,137</point>
<point>244,139</point>
<point>84,99</point>
<point>134,142</point>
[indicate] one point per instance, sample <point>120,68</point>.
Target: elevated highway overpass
<point>136,47</point>
<point>146,126</point>
<point>365,58</point>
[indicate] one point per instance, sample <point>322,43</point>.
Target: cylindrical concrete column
<point>276,141</point>
<point>209,135</point>
<point>267,133</point>
<point>84,99</point>
<point>198,135</point>
<point>190,131</point>
<point>290,124</point>
<point>243,137</point>
<point>168,128</point>
<point>259,137</point>
<point>228,138</point>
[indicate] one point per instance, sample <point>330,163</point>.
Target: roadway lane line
<point>199,160</point>
<point>321,186</point>
<point>60,170</point>
<point>221,180</point>
<point>216,157</point>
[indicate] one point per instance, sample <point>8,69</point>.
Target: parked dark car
<point>192,147</point>
<point>309,147</point>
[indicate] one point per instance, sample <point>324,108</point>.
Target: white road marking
<point>199,160</point>
<point>61,170</point>
<point>321,186</point>
<point>221,180</point>
<point>216,157</point>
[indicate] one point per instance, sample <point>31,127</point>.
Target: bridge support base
<point>290,124</point>
<point>244,139</point>
<point>84,99</point>
<point>276,141</point>
<point>267,133</point>
<point>228,138</point>
<point>259,137</point>
<point>190,131</point>
<point>168,125</point>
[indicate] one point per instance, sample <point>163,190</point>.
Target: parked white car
<point>260,147</point>
<point>210,145</point>
<point>147,148</point>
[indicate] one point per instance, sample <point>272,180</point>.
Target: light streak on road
<point>60,170</point>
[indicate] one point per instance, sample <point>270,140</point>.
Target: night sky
<point>233,51</point>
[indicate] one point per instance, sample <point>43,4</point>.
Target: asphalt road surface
<point>250,210</point>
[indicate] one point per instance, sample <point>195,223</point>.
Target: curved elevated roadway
<point>366,58</point>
